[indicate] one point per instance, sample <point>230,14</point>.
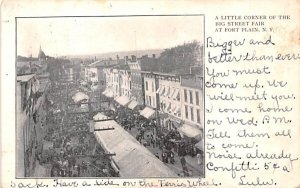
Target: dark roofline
<point>25,74</point>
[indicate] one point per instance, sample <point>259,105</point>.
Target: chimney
<point>110,58</point>
<point>118,57</point>
<point>153,55</point>
<point>133,58</point>
<point>95,58</point>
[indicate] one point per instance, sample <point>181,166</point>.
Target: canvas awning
<point>177,109</point>
<point>159,89</point>
<point>173,108</point>
<point>108,92</point>
<point>161,92</point>
<point>99,116</point>
<point>123,100</point>
<point>191,131</point>
<point>133,104</point>
<point>113,108</point>
<point>94,87</point>
<point>199,145</point>
<point>168,107</point>
<point>79,97</point>
<point>175,94</point>
<point>172,90</point>
<point>167,92</point>
<point>148,113</point>
<point>131,158</point>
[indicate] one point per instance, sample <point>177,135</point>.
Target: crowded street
<point>68,147</point>
<point>127,114</point>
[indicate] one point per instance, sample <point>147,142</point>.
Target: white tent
<point>99,116</point>
<point>79,97</point>
<point>132,159</point>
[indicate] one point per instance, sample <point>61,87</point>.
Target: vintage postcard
<point>150,94</point>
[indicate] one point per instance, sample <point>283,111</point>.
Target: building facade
<point>169,100</point>
<point>150,90</point>
<point>175,101</point>
<point>125,83</point>
<point>137,82</point>
<point>30,100</point>
<point>192,100</point>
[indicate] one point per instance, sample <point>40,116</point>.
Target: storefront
<point>169,122</point>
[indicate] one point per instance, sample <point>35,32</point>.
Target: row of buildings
<point>32,83</point>
<point>174,101</point>
<point>31,92</point>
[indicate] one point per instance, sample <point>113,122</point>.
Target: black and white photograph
<point>110,96</point>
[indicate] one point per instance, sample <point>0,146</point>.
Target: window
<point>152,86</point>
<point>185,95</point>
<point>146,85</point>
<point>198,116</point>
<point>150,100</point>
<point>197,98</point>
<point>192,113</point>
<point>147,102</point>
<point>191,97</point>
<point>186,112</point>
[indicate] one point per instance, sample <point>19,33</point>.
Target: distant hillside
<point>22,58</point>
<point>121,54</point>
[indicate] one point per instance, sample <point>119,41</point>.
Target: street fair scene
<point>132,113</point>
<point>85,139</point>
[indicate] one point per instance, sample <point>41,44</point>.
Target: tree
<point>179,59</point>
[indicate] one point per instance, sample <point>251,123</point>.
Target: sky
<point>91,35</point>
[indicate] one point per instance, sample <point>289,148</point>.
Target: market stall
<point>131,158</point>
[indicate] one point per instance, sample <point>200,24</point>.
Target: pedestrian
<point>158,142</point>
<point>163,156</point>
<point>153,142</point>
<point>172,160</point>
<point>185,171</point>
<point>183,162</point>
<point>199,158</point>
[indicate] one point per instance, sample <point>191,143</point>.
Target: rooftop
<point>106,62</point>
<point>25,77</point>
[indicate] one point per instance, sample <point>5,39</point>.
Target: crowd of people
<point>71,149</point>
<point>170,144</point>
<point>68,148</point>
